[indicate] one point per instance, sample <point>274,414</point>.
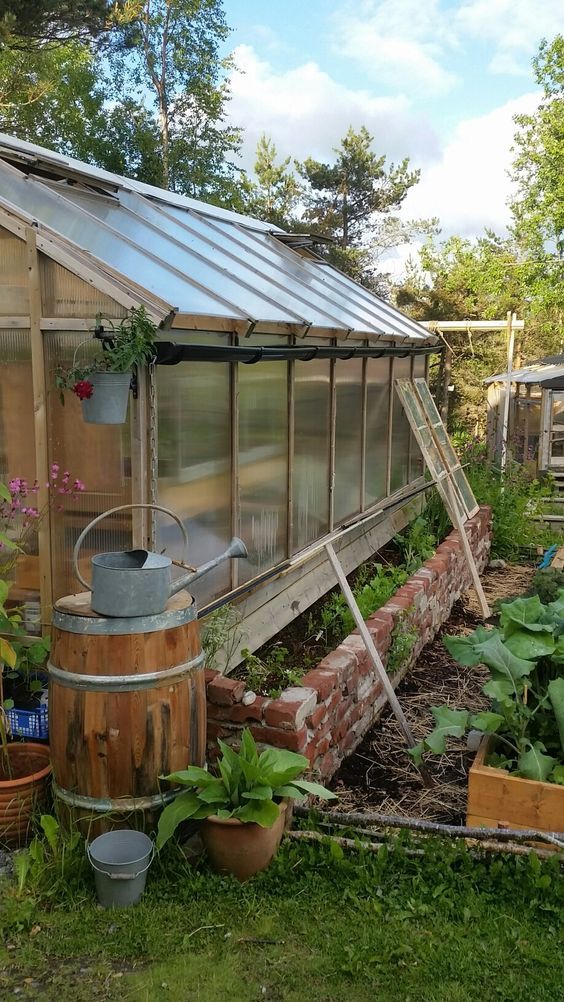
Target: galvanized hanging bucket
<point>120,860</point>
<point>108,403</point>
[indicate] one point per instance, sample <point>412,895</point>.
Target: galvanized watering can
<point>138,582</point>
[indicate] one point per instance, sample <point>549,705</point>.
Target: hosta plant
<point>248,787</point>
<point>525,659</point>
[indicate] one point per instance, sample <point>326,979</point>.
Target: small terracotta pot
<point>21,795</point>
<point>239,848</point>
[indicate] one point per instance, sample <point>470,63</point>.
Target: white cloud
<point>515,28</point>
<point>306,112</point>
<point>469,186</point>
<point>398,42</point>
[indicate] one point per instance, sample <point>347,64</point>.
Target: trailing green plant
<point>525,658</point>
<point>249,787</point>
<point>271,674</point>
<point>416,544</point>
<point>336,620</point>
<point>126,345</point>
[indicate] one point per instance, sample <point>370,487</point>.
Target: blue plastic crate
<point>29,723</point>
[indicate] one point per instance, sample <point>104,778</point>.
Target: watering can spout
<point>236,548</point>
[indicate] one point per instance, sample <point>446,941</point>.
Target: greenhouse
<point>270,411</point>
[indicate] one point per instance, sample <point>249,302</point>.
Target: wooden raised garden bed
<point>497,799</point>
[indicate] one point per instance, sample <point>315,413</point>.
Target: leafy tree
<point>28,22</point>
<point>538,208</point>
<point>352,201</point>
<point>174,56</point>
<point>51,95</point>
<point>276,194</point>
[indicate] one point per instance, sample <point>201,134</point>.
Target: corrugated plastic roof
<point>210,266</point>
<point>534,373</point>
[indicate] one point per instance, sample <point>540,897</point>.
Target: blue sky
<point>438,81</point>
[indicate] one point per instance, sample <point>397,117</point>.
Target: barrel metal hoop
<point>105,805</point>
<point>123,683</point>
<point>123,626</point>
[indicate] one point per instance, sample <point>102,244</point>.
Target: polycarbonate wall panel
<point>263,461</point>
<point>377,408</point>
<point>194,450</point>
<point>417,463</point>
<point>312,388</point>
<point>17,458</point>
<point>401,431</point>
<point>348,438</point>
<point>99,455</point>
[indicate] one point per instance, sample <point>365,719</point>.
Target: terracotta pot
<point>21,795</point>
<point>239,848</point>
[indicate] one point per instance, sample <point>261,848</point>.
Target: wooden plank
<point>332,439</point>
<point>507,801</point>
<point>14,299</point>
<point>40,426</point>
<point>14,323</point>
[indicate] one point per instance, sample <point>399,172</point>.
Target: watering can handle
<point>112,511</point>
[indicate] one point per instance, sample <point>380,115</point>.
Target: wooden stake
<point>374,656</point>
<point>455,516</point>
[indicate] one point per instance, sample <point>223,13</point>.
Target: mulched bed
<point>379,776</point>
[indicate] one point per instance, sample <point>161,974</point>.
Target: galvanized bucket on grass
<point>120,860</point>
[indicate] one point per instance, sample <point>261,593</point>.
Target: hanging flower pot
<point>106,403</point>
<point>102,383</point>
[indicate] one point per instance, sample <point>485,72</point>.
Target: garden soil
<point>379,776</point>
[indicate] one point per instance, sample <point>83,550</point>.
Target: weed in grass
<point>271,674</point>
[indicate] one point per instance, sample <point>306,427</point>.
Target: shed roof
<point>540,372</point>
<point>203,267</point>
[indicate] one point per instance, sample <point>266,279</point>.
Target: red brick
<point>329,764</point>
<point>335,700</point>
<point>293,740</point>
<point>341,661</point>
<point>209,675</point>
<point>239,713</point>
<point>225,691</point>
<point>215,730</point>
<point>315,718</point>
<point>291,708</point>
<point>323,680</point>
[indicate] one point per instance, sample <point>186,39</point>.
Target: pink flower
<point>78,485</point>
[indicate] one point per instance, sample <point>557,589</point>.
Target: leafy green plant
<point>547,583</point>
<point>220,636</point>
<point>416,544</point>
<point>130,343</point>
<point>53,861</point>
<point>249,787</point>
<point>525,658</point>
<point>271,674</point>
<point>403,641</point>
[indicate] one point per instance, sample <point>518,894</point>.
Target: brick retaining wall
<point>328,715</point>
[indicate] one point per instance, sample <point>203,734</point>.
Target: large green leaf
<point>521,612</point>
<point>500,690</point>
<point>314,789</point>
<point>260,812</point>
<point>4,492</point>
<point>290,791</point>
<point>463,649</point>
<point>503,662</point>
<point>557,775</point>
<point>215,793</point>
<point>556,696</point>
<point>7,653</point>
<point>486,721</point>
<point>192,776</point>
<point>534,764</point>
<point>530,646</point>
<point>279,766</point>
<point>4,591</point>
<point>259,793</point>
<point>184,806</point>
<point>248,747</point>
<point>448,723</point>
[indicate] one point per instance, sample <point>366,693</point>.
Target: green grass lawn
<point>319,925</point>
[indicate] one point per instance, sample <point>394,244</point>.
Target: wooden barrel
<point>127,704</point>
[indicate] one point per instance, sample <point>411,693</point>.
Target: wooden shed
<point>270,414</point>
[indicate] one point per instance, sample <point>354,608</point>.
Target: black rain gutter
<point>168,353</point>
